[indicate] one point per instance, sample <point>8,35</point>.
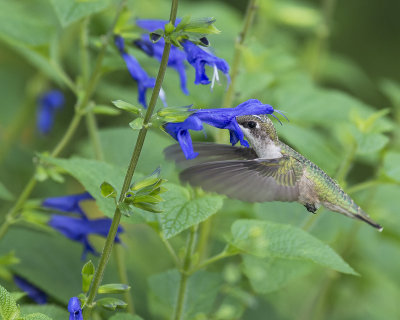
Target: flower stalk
<point>128,177</point>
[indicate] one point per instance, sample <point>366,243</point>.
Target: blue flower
<point>74,309</point>
<point>223,118</point>
<point>34,293</point>
<point>48,104</point>
<point>70,203</point>
<point>198,58</point>
<point>176,58</point>
<point>78,229</point>
<point>180,132</point>
<point>137,72</point>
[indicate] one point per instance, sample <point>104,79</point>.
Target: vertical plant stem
<point>123,275</point>
<point>323,33</point>
<point>248,19</point>
<point>79,109</point>
<point>187,262</point>
<point>91,124</point>
<point>129,174</point>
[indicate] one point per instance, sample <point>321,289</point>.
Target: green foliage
<point>178,206</point>
<point>87,275</point>
<point>125,316</point>
<point>202,289</point>
<point>114,288</point>
<point>71,11</point>
<point>265,239</point>
<point>111,303</point>
<point>8,308</point>
<point>5,194</point>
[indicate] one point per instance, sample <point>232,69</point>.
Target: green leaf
<point>392,90</point>
<point>50,310</point>
<point>266,239</point>
<point>107,190</point>
<point>125,209</point>
<point>270,274</point>
<point>125,316</point>
<point>201,292</point>
<point>113,288</point>
<point>136,124</point>
<point>5,194</point>
<point>111,303</point>
<point>123,105</point>
<point>391,165</point>
<point>181,211</point>
<point>36,316</point>
<point>8,307</point>
<point>20,25</point>
<point>370,142</point>
<point>105,110</point>
<point>87,275</point>
<point>70,11</point>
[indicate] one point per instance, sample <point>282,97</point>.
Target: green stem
<point>94,135</point>
<point>129,174</point>
<point>222,255</point>
<point>248,19</point>
<point>171,251</point>
<point>79,111</point>
<point>205,231</point>
<point>178,314</point>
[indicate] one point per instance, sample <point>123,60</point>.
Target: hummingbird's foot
<point>310,207</point>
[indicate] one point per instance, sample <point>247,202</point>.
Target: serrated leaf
<point>36,316</point>
<point>105,110</point>
<point>181,211</point>
<point>107,190</point>
<point>136,124</point>
<point>70,11</point>
<point>5,194</point>
<point>8,308</point>
<point>111,303</point>
<point>266,239</point>
<point>391,165</point>
<point>113,288</point>
<point>201,292</point>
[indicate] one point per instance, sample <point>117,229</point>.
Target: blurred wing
<point>255,180</point>
<point>208,152</point>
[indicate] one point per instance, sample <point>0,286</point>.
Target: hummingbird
<point>268,170</point>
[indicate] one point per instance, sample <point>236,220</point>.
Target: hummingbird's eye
<point>252,124</point>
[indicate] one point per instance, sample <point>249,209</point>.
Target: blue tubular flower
<point>198,58</point>
<point>48,104</point>
<point>137,72</point>
<point>69,203</point>
<point>78,229</point>
<point>176,57</point>
<point>34,293</point>
<point>74,309</point>
<point>223,118</point>
<point>180,132</point>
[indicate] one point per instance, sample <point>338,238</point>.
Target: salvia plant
<point>156,166</point>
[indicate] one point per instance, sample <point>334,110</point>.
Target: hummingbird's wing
<point>255,180</point>
<point>208,152</point>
